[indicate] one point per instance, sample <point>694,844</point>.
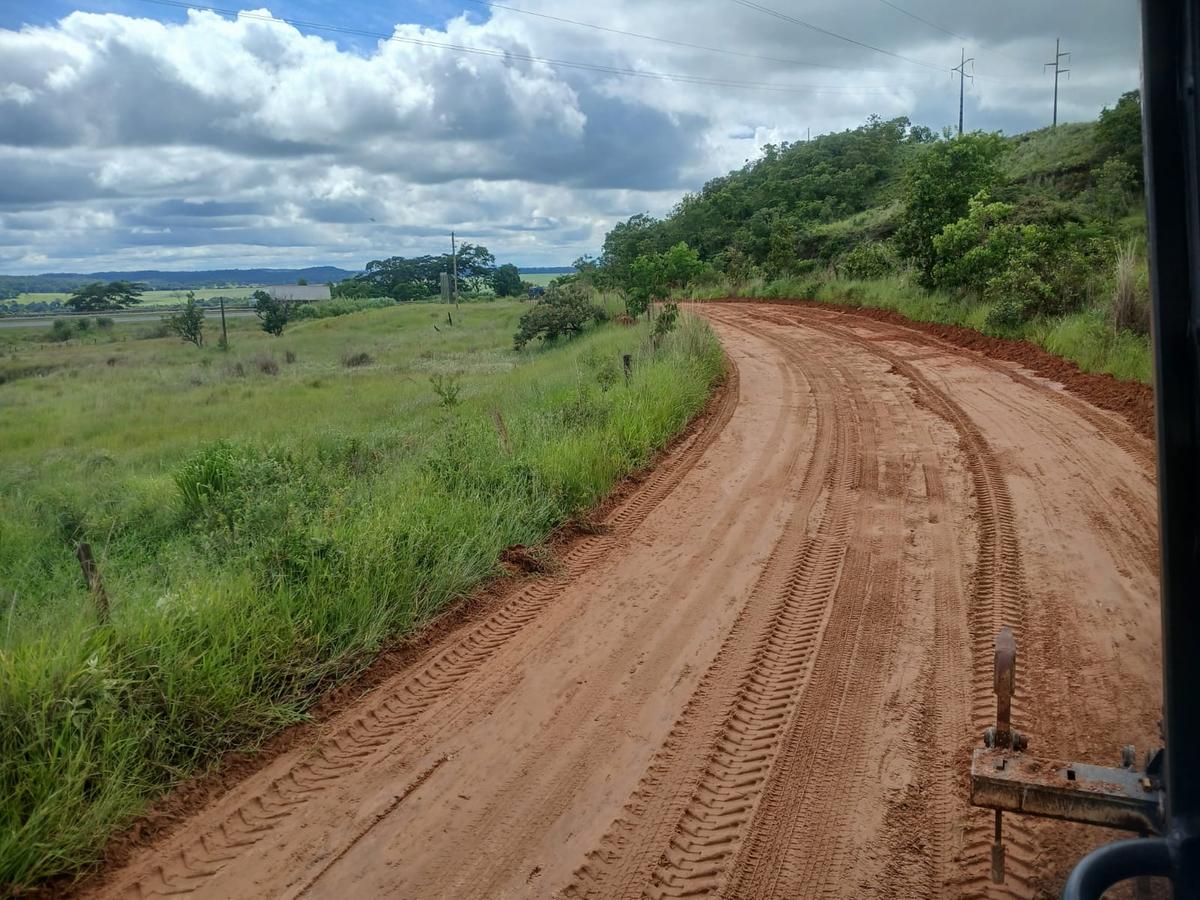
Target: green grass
<point>1086,338</point>
<point>541,279</point>
<point>154,298</point>
<point>1050,151</point>
<point>263,535</point>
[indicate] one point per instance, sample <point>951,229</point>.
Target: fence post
<point>91,574</point>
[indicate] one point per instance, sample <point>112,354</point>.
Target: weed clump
<point>266,364</point>
<point>1131,300</point>
<point>447,388</point>
<point>356,360</point>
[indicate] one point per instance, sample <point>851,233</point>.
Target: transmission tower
<point>1059,54</point>
<point>961,69</point>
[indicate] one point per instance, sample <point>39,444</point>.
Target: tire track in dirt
<point>697,793</point>
<point>799,838</point>
<point>363,740</point>
<point>1118,433</point>
<point>515,810</point>
<point>998,598</point>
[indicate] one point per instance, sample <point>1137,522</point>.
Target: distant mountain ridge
<point>157,280</point>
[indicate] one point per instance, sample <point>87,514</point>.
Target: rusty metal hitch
<point>1004,779</point>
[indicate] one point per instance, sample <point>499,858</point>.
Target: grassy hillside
<point>1038,236</point>
<point>265,519</point>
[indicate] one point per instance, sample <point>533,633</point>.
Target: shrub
<point>354,360</point>
<point>1046,276</point>
<point>564,309</point>
<point>971,251</point>
<point>157,330</point>
<point>447,388</point>
<point>1116,183</point>
<point>83,324</point>
<point>104,323</point>
<point>870,259</point>
<point>664,324</point>
<point>275,314</point>
<point>188,323</point>
<point>607,374</point>
<point>1006,315</point>
<point>60,330</point>
<point>289,356</point>
<point>266,364</point>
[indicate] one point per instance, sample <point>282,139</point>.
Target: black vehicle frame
<point>1171,136</point>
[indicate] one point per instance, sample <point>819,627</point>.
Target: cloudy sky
<point>143,134</point>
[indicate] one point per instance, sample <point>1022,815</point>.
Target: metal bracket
<point>1006,780</point>
<point>1095,795</point>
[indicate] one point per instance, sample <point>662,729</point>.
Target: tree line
<point>419,277</point>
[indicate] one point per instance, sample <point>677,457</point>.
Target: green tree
<point>274,313</point>
<point>938,187</point>
<point>563,310</point>
<point>476,266</point>
<point>101,297</point>
<point>1116,183</point>
<point>354,289</point>
<point>1119,131</point>
<point>976,248</point>
<point>652,276</point>
<point>507,281</point>
<point>680,266</point>
<point>645,281</point>
<point>188,323</point>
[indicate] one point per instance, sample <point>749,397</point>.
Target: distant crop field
<point>156,298</point>
<point>543,278</point>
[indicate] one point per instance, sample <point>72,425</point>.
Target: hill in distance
<point>53,282</point>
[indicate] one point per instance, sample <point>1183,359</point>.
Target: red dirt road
<point>764,677</point>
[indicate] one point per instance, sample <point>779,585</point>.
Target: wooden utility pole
<point>1059,53</point>
<point>454,270</point>
<point>961,69</point>
<point>224,333</point>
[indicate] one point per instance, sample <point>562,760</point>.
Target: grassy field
<point>266,519</point>
<point>543,278</point>
<point>155,298</point>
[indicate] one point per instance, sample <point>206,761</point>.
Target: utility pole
<point>224,333</point>
<point>454,268</point>
<point>961,69</point>
<point>1058,70</point>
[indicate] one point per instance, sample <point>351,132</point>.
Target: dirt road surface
<point>764,676</point>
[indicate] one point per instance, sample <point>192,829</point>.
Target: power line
<point>961,37</point>
<point>934,25</point>
<point>750,4</point>
<point>664,40</point>
<point>600,68</point>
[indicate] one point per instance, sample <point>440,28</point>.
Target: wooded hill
<point>1031,224</point>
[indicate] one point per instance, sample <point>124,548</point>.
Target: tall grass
<point>1087,338</point>
<point>263,536</point>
